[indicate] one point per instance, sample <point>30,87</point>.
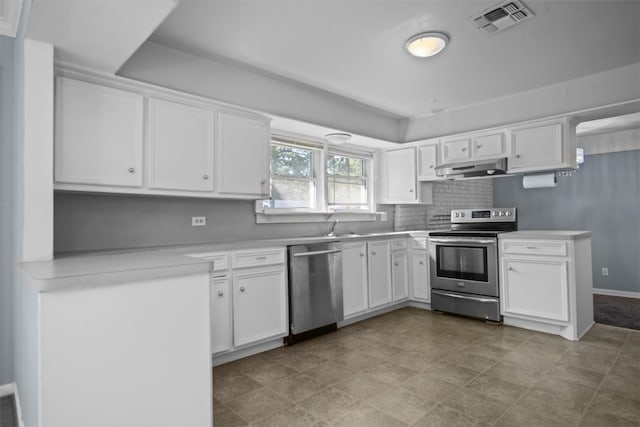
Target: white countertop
<point>82,269</point>
<point>546,234</point>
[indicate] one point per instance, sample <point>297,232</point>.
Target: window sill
<point>293,217</point>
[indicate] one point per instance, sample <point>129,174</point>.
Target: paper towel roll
<point>539,181</point>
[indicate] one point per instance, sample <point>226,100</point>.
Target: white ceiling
<point>354,48</point>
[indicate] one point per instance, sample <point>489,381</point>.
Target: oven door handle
<point>464,241</point>
<point>452,295</point>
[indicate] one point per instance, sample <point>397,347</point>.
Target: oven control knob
<point>457,214</point>
<point>501,213</point>
<point>495,213</point>
<point>462,214</point>
<point>508,213</point>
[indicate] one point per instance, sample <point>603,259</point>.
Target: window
<point>307,177</point>
<point>347,183</point>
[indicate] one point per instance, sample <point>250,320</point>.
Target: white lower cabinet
<point>399,270</point>
<point>546,285</point>
<point>259,305</point>
<point>354,278</point>
<point>379,271</point>
<point>220,314</point>
<point>420,289</point>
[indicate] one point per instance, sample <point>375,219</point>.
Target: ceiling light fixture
<point>424,45</point>
<point>338,137</point>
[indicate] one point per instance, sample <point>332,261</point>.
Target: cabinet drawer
<point>419,243</point>
<point>257,257</point>
<point>534,247</point>
<point>398,244</point>
<point>220,259</point>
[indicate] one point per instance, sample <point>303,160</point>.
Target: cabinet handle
<point>373,252</point>
<point>261,258</point>
<point>131,170</point>
<point>517,156</point>
<point>220,293</point>
<point>532,247</point>
<point>241,288</point>
<point>205,176</point>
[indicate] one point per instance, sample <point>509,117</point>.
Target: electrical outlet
<point>605,271</point>
<point>198,221</point>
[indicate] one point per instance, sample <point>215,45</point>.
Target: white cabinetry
<point>354,278</point>
<point>379,260</point>
<point>464,148</point>
<point>400,183</point>
<point>98,135</point>
<point>420,289</point>
<point>546,285</point>
<point>427,161</point>
<point>399,269</point>
<point>180,146</point>
<point>243,155</point>
<point>220,314</point>
<point>548,145</point>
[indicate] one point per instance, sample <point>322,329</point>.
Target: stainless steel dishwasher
<point>315,290</point>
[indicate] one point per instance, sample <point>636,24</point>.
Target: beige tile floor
<point>420,368</point>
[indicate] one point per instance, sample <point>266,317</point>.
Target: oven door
<point>464,264</point>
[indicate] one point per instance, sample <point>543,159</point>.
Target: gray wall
<point>104,221</point>
<point>603,197</point>
<point>7,83</point>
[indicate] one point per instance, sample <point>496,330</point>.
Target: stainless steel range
<point>464,262</point>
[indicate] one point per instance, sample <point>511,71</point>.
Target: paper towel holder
<point>545,180</point>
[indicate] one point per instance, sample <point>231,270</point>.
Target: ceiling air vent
<point>502,16</point>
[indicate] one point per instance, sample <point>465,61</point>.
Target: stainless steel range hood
<point>474,168</point>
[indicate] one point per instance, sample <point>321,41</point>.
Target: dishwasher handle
<point>313,253</point>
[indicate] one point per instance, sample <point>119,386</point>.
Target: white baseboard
<point>614,293</point>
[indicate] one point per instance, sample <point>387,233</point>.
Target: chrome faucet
<point>333,226</point>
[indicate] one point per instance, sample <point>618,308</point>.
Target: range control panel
<point>483,215</point>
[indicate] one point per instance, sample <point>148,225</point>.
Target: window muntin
<point>347,183</point>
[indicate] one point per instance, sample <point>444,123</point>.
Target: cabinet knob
<point>464,148</point>
<point>361,253</point>
<point>509,268</point>
<point>517,156</point>
<point>411,190</point>
<point>205,176</point>
<point>421,262</point>
<point>263,181</point>
<point>430,166</point>
<point>479,145</point>
<point>131,170</point>
<point>220,293</point>
<point>373,252</point>
<point>395,263</point>
<point>241,288</point>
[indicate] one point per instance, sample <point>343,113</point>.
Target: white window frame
<point>321,213</point>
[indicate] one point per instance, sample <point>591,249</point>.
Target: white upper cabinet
<point>427,161</point>
<point>243,156</point>
<point>548,145</point>
<point>400,167</point>
<point>456,150</point>
<point>98,135</point>
<point>180,146</point>
<point>489,146</point>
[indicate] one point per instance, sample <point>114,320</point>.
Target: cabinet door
<point>535,287</point>
<point>243,156</point>
<point>98,135</point>
<point>427,162</point>
<point>536,148</point>
<point>180,146</point>
<point>354,278</point>
<point>399,275</point>
<point>420,276</point>
<point>455,150</point>
<point>488,146</point>
<point>400,172</point>
<point>259,305</point>
<point>379,263</point>
<point>220,315</point>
